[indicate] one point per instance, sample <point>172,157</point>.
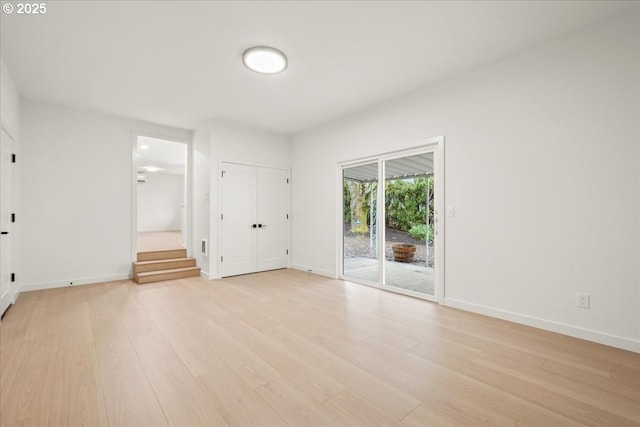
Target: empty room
<point>320,213</point>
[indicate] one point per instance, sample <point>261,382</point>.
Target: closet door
<point>254,223</point>
<point>239,211</point>
<point>273,213</point>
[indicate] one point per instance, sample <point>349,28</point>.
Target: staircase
<point>157,266</point>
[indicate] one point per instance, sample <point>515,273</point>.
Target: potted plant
<point>403,252</point>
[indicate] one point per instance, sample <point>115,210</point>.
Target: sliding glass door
<point>390,213</point>
<point>361,258</point>
<point>408,197</point>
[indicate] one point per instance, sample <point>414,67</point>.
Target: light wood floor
<point>159,240</point>
<point>291,348</point>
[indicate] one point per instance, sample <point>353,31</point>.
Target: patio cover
<point>405,167</point>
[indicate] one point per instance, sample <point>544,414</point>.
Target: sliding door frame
<point>432,145</point>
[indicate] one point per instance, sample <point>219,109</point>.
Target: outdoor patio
<point>406,276</point>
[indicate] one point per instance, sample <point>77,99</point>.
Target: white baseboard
<point>73,282</point>
<point>208,276</point>
<point>548,325</point>
<point>5,306</point>
<point>314,270</point>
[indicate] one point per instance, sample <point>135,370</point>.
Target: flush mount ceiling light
<point>264,60</point>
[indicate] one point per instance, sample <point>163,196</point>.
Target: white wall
<point>201,153</point>
<point>160,202</point>
<point>542,166</point>
<point>76,187</point>
<point>216,141</point>
<point>10,121</point>
<point>9,102</point>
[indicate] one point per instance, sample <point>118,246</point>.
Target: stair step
<point>163,264</point>
<point>161,275</point>
<point>166,254</point>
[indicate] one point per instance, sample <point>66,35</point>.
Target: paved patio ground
<point>402,275</point>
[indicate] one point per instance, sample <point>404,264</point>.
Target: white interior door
<point>238,217</point>
<point>254,223</point>
<point>273,214</point>
<point>6,209</point>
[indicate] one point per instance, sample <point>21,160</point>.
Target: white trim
<point>188,201</point>
<point>359,281</point>
<point>410,293</point>
<point>6,130</point>
<point>16,295</point>
<point>388,155</point>
<point>381,227</point>
<point>14,286</point>
<point>432,145</point>
<point>208,276</point>
<point>6,305</point>
<point>257,165</point>
<point>134,196</point>
<point>548,325</point>
<point>289,219</point>
<point>218,230</point>
<point>313,270</point>
<point>338,266</point>
<point>76,282</point>
<point>219,207</point>
<point>439,207</point>
<point>188,197</point>
<point>388,288</point>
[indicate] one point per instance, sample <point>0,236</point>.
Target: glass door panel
<point>408,202</point>
<point>360,222</point>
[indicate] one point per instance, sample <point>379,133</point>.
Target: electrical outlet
<point>583,300</point>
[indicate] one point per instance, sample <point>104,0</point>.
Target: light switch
<point>451,211</point>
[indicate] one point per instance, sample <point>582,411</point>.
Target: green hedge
<point>406,204</point>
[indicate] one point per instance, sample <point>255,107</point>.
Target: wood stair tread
<point>163,265</point>
<point>162,251</point>
<point>173,270</point>
<point>161,254</point>
<point>165,275</point>
<point>161,261</point>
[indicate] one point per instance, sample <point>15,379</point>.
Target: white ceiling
<point>178,62</point>
<point>169,156</point>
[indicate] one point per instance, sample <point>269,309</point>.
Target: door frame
<point>134,188</point>
<point>431,145</point>
<point>219,207</point>
<point>13,291</point>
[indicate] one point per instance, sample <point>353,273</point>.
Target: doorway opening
<point>390,235</point>
<point>161,194</point>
